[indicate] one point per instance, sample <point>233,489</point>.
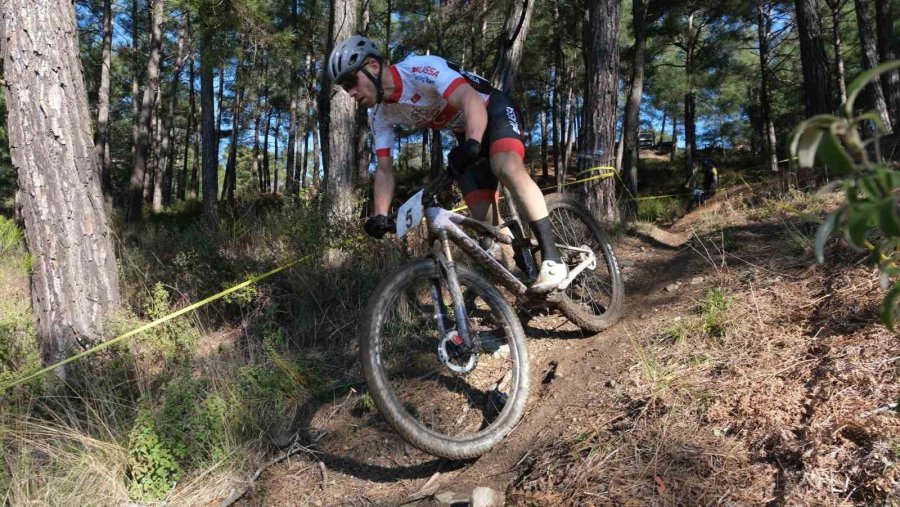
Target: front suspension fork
<point>448,268</point>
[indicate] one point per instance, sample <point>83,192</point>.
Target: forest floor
<point>741,372</point>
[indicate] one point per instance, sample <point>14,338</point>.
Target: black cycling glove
<point>464,156</point>
<point>378,225</point>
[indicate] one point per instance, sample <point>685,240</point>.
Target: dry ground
<point>741,373</point>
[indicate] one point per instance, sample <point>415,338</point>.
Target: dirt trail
<point>356,459</point>
<point>740,372</point>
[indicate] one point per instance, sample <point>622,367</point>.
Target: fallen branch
<point>278,459</point>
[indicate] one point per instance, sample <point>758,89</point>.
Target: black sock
<point>543,230</point>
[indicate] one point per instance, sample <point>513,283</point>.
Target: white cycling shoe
<point>551,275</point>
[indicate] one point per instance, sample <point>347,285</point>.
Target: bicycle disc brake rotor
<point>451,353</point>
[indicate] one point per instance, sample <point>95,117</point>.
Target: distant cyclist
<point>699,194</point>
<point>428,91</point>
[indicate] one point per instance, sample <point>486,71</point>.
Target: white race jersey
<point>423,85</point>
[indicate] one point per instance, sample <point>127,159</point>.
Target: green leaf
<point>870,187</point>
<point>858,226</point>
<point>825,230</point>
<point>863,79</point>
<point>887,217</point>
<point>806,138</point>
<point>806,146</point>
<point>834,155</point>
<point>889,307</point>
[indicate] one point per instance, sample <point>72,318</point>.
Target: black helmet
<point>350,55</point>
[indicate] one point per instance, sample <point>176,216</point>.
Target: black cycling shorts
<point>503,134</point>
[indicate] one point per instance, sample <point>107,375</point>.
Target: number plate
<point>410,214</point>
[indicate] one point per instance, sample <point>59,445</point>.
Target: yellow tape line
<point>153,324</point>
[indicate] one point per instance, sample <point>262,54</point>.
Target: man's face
<point>360,88</point>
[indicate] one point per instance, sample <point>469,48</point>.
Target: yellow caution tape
<point>153,324</point>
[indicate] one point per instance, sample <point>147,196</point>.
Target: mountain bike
<point>698,197</point>
<point>443,351</point>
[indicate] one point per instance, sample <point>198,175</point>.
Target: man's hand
<point>463,156</point>
<point>379,225</point>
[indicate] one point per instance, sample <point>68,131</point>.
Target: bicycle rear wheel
<point>593,301</point>
<point>443,399</point>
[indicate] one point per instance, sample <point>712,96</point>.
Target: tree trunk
<point>674,148</point>
<point>163,191</point>
<point>512,45</point>
<point>339,141</point>
<point>208,132</point>
<point>764,32</point>
<point>192,113</point>
<point>887,51</point>
<point>817,95</point>
<point>437,152</point>
<point>690,132</point>
<point>557,66</point>
<point>631,119</point>
<point>265,175</point>
<point>601,70</point>
<point>316,153</point>
<point>142,148</point>
<point>135,79</point>
<point>230,178</point>
<point>690,125</point>
<point>289,150</point>
<point>363,154</point>
<point>274,186</point>
<point>74,282</point>
<point>836,6</point>
<point>304,157</point>
<point>545,175</point>
<point>869,52</point>
<point>101,139</point>
<point>221,102</point>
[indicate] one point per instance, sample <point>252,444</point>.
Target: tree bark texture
<point>340,150</point>
<point>836,6</point>
<point>190,125</point>
<point>869,52</point>
<point>601,64</point>
<point>887,51</point>
<point>74,282</point>
<point>512,46</point>
<point>230,179</point>
<point>289,150</point>
<point>101,138</point>
<point>633,106</point>
<point>817,91</point>
<point>162,192</point>
<point>208,133</point>
<point>142,144</point>
<point>764,32</point>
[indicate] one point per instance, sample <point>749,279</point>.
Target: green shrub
<point>714,314</point>
<point>152,467</point>
<point>10,236</point>
<point>657,209</point>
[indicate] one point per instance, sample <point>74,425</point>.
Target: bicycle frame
<point>443,224</point>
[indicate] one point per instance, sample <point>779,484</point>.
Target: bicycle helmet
<point>350,56</point>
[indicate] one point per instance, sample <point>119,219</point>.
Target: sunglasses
<point>348,81</point>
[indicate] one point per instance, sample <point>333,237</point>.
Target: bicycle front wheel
<point>593,301</point>
<point>448,401</point>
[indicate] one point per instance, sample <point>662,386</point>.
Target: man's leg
<point>509,168</point>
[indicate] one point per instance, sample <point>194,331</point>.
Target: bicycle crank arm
<point>588,262</point>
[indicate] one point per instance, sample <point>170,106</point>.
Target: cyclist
<point>428,91</point>
<point>710,176</point>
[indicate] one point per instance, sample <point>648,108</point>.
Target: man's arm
<point>384,185</point>
<point>465,97</point>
